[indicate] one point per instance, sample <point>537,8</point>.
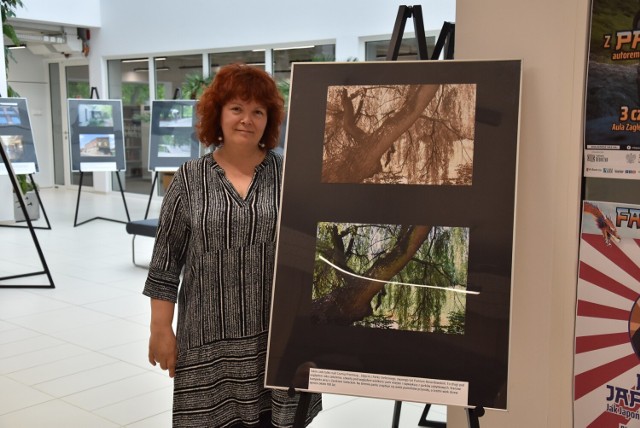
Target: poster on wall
<point>96,135</point>
<point>394,255</point>
<point>607,343</point>
<point>172,140</point>
<point>612,113</point>
<point>16,136</point>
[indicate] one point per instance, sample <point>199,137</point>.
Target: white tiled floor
<point>74,356</point>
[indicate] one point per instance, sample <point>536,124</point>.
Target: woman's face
<point>243,122</point>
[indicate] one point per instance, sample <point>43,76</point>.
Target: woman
<point>217,227</point>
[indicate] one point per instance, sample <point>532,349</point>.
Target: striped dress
<point>224,246</point>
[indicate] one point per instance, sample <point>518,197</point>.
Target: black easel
<point>23,207</point>
<point>445,41</point>
<point>153,186</point>
<point>94,90</point>
<point>302,409</point>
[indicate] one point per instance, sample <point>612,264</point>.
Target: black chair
<point>147,227</point>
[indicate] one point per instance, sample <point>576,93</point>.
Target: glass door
<point>67,81</point>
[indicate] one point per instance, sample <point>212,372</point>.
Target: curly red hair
<point>239,81</point>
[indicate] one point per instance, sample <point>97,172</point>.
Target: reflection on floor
<point>75,356</point>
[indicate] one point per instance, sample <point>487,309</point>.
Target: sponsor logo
<point>607,170</point>
<point>631,157</point>
<point>597,158</point>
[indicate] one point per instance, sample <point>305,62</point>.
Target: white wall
<point>76,13</point>
<point>551,38</point>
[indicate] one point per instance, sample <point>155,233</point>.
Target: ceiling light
<point>145,69</point>
<point>294,47</point>
<point>135,60</point>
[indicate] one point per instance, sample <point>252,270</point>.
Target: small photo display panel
<point>172,140</point>
<point>16,136</point>
<point>96,135</point>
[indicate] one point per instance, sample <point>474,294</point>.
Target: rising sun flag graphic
<point>607,342</point>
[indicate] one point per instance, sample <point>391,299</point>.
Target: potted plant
<point>30,199</point>
<point>194,85</point>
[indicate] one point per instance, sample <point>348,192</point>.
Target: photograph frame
<point>109,124</point>
<point>15,127</point>
<point>178,128</point>
<point>477,361</point>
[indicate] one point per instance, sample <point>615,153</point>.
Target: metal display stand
<point>94,90</point>
<point>124,201</point>
<point>153,187</point>
<point>23,207</point>
<point>302,409</point>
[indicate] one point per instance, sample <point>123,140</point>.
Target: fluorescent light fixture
<point>294,47</point>
<point>145,69</point>
<point>135,60</point>
<point>258,50</point>
<point>160,58</point>
<point>17,47</point>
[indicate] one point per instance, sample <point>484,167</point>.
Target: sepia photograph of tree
<point>400,134</point>
<point>391,276</point>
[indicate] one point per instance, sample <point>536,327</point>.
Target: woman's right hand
<point>163,349</point>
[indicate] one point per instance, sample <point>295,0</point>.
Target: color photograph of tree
<point>100,115</point>
<point>391,276</point>
<point>400,134</point>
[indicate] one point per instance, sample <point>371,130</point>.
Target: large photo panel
<point>172,140</point>
<point>96,135</point>
<point>17,137</point>
<point>394,257</point>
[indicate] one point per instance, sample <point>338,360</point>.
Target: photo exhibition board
<point>612,98</point>
<point>172,140</point>
<point>393,269</point>
<point>96,135</point>
<point>16,136</point>
<point>607,342</point>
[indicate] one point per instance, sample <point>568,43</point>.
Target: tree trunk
<point>352,302</point>
<point>362,159</point>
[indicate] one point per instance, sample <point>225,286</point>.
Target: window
<point>377,50</point>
